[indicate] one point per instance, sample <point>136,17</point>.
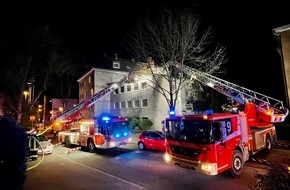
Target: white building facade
<point>134,99</point>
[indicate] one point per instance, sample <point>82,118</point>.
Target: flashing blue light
<point>171,111</point>
<point>208,112</point>
<point>117,135</point>
<point>125,134</point>
<point>106,118</point>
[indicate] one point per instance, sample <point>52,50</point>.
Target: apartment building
<point>134,99</point>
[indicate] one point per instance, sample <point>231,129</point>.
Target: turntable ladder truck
<point>216,142</point>
<point>75,112</point>
<point>104,132</point>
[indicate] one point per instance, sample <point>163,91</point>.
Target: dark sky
<point>244,27</point>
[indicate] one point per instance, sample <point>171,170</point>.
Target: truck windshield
<point>118,127</point>
<point>194,131</point>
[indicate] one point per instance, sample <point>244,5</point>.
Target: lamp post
<point>31,90</point>
<point>25,93</point>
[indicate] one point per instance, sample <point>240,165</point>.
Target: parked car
<point>151,139</point>
<point>45,143</point>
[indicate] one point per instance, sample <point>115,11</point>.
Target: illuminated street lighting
<point>25,93</point>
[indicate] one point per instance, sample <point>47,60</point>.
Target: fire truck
<point>75,113</point>
<point>216,142</point>
<point>103,132</point>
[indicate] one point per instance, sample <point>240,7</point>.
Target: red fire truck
<point>65,120</point>
<point>215,142</point>
<point>104,132</point>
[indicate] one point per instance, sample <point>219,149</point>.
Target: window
<point>129,104</point>
<point>92,91</point>
<point>116,65</point>
<point>136,86</point>
<point>136,103</point>
<point>144,85</point>
<point>123,105</point>
<point>122,89</point>
<point>128,87</point>
<point>144,103</point>
<point>116,105</point>
<point>90,80</point>
<point>117,91</point>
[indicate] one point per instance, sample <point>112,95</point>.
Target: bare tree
<point>64,75</point>
<point>175,38</point>
<point>26,61</point>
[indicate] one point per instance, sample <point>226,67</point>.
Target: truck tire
<point>91,146</point>
<point>67,141</point>
<point>268,144</point>
<point>237,164</point>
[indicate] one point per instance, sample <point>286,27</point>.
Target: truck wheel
<point>91,146</point>
<point>237,164</point>
<point>268,144</point>
<point>67,141</point>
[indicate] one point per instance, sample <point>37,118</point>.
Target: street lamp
<point>25,93</point>
<point>31,89</point>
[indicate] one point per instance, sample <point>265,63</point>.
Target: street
<point>129,168</point>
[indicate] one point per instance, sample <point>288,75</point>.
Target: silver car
<point>45,145</point>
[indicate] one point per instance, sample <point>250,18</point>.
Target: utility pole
<point>44,110</point>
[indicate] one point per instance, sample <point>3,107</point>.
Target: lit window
<point>116,65</point>
<point>90,79</point>
<point>92,91</point>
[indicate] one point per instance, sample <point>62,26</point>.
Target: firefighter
<point>13,147</point>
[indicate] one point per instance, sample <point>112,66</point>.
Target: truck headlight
<point>209,167</point>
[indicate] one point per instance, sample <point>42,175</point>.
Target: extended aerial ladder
<point>270,109</point>
<point>75,112</point>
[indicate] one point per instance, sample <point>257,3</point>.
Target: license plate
<point>184,166</point>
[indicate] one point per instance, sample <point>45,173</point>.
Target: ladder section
<point>74,112</point>
<point>272,108</point>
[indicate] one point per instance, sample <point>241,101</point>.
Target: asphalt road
<point>128,168</point>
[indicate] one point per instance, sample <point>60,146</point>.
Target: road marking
<point>105,173</point>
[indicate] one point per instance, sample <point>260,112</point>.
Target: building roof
<point>281,29</point>
<point>106,62</point>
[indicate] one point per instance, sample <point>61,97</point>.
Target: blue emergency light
<point>106,118</point>
<point>209,112</point>
<point>171,111</point>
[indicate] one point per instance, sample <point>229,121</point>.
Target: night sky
<point>243,26</point>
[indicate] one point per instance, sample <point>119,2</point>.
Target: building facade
<point>136,98</point>
<point>283,35</point>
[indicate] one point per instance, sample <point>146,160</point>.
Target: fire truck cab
<point>215,142</point>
